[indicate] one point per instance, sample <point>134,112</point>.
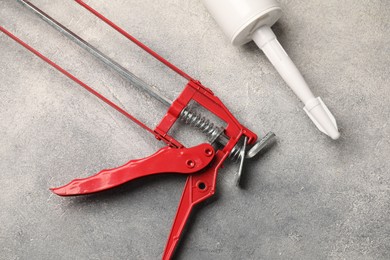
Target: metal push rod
<point>136,81</point>
<point>72,77</point>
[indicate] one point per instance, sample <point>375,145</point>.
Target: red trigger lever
<point>200,163</point>
<point>166,160</point>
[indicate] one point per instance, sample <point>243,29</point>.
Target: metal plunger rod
<point>98,54</point>
<point>72,77</point>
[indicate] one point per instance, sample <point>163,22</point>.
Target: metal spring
<point>197,120</point>
<point>208,128</point>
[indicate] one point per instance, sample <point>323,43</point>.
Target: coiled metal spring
<point>212,132</point>
<point>198,121</point>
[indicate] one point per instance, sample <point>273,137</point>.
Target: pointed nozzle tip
<point>335,135</point>
<point>322,117</point>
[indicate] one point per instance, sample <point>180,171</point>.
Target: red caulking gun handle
<point>166,160</point>
<point>199,186</point>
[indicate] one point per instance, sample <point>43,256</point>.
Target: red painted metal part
<point>195,91</point>
<point>201,181</point>
<point>166,160</point>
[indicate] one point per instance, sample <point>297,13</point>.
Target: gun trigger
<point>166,160</point>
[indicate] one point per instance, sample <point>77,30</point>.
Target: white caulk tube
<point>247,20</point>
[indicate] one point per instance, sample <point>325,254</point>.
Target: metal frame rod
<point>136,81</point>
<point>72,77</point>
<point>135,41</point>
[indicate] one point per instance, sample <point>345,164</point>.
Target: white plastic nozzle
<point>315,108</point>
<point>247,20</point>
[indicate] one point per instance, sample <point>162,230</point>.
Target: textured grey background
<point>306,198</point>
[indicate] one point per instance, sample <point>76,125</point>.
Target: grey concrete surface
<point>307,197</point>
